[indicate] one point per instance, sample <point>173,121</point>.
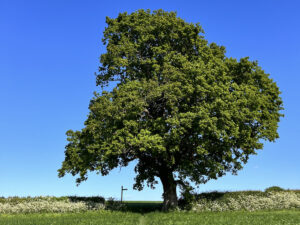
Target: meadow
<point>281,217</point>
<point>273,206</point>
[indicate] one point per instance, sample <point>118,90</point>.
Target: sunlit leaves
<point>180,104</point>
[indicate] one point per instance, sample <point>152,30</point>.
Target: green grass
<point>286,217</point>
<point>282,217</point>
<point>87,218</point>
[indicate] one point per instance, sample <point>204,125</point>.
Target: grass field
<point>282,217</point>
<point>213,208</point>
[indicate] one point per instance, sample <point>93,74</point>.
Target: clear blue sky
<point>49,51</point>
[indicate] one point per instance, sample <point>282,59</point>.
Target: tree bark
<point>169,195</point>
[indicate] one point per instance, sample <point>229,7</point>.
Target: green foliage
<point>215,195</point>
<point>224,196</point>
<point>50,204</point>
<point>112,204</point>
<point>16,200</point>
<point>181,108</point>
<point>274,188</point>
<point>187,199</point>
<point>242,200</point>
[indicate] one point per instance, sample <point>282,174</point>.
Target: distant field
<point>282,217</point>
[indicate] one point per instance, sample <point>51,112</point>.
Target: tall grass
<point>283,217</point>
<point>287,217</point>
<point>84,218</point>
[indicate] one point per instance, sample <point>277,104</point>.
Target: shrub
<point>187,199</point>
<point>274,188</point>
<point>49,204</point>
<point>250,202</point>
<point>112,204</point>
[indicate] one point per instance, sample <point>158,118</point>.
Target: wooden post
<point>121,194</point>
<point>122,189</point>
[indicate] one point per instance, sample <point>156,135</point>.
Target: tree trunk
<point>169,195</point>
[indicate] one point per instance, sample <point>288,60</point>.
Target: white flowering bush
<point>47,204</point>
<point>251,202</point>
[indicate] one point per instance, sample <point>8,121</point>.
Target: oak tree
<point>180,108</point>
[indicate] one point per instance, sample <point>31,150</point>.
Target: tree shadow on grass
<point>136,207</point>
<point>141,207</point>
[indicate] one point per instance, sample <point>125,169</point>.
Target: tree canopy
<point>183,110</point>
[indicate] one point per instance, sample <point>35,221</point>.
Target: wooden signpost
<point>122,189</point>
